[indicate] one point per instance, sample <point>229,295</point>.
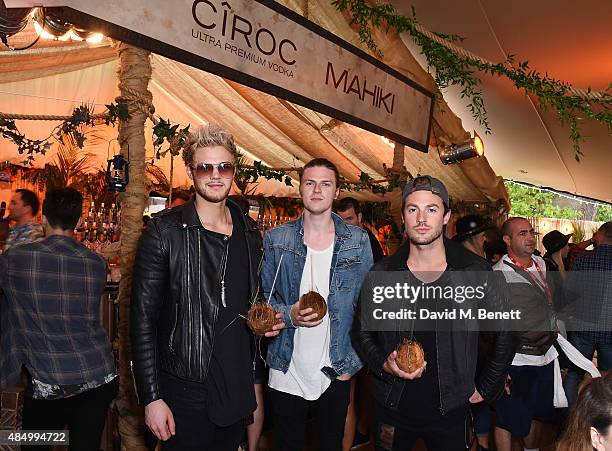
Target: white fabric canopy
<point>54,78</point>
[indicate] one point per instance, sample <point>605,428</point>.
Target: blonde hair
<point>208,135</point>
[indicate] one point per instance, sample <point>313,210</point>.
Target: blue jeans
<point>587,344</point>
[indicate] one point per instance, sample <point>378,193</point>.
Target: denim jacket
<point>351,260</point>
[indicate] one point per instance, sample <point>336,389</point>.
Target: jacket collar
<point>340,228</point>
<point>457,257</point>
<point>189,215</point>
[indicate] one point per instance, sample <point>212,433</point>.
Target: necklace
<point>226,238</point>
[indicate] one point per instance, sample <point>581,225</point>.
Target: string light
<point>558,193</point>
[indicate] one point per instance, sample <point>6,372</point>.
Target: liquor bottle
<point>91,213</point>
<point>111,233</point>
<point>85,231</point>
<point>93,232</point>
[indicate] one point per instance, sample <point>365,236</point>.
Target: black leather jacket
<point>176,296</point>
<point>457,350</point>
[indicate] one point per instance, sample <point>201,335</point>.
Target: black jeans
<point>84,414</point>
<point>194,430</point>
<point>456,436</point>
<point>290,412</point>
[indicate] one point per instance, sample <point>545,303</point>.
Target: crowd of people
<point>202,376</point>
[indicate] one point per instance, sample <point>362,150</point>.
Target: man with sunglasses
<point>431,402</point>
<point>195,275</point>
<point>312,360</point>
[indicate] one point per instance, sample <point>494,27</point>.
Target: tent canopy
<point>55,77</point>
<point>570,41</point>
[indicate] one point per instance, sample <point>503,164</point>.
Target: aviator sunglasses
<point>226,170</point>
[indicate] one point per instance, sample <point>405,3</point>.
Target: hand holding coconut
<point>407,361</point>
<point>304,317</point>
<point>262,319</point>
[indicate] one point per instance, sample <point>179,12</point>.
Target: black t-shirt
<point>230,393</point>
<point>419,405</point>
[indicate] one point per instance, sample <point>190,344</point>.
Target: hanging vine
<point>458,68</point>
<point>71,127</point>
<point>166,132</point>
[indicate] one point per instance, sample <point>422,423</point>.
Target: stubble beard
<point>206,195</point>
<point>424,240</point>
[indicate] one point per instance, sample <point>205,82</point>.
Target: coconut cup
<point>261,318</point>
<point>410,356</point>
<point>315,301</point>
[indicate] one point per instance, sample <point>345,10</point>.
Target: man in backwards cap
<point>432,404</point>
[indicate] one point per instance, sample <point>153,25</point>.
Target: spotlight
<point>51,27</point>
<point>456,153</point>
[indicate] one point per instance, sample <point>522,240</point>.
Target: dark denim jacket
<point>351,260</point>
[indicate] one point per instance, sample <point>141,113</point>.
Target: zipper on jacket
<point>186,285</point>
<point>256,292</point>
<point>438,365</point>
<point>173,331</point>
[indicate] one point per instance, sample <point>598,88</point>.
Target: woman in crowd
<point>557,248</point>
<point>589,423</point>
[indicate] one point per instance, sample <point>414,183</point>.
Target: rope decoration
<point>70,126</point>
<point>579,92</point>
<point>455,66</point>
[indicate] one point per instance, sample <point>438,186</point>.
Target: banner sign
<point>265,45</point>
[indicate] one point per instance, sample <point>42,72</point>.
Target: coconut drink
<point>410,356</point>
<point>261,318</point>
<point>315,301</point>
<point>312,299</point>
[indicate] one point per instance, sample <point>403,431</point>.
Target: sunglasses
<point>225,170</point>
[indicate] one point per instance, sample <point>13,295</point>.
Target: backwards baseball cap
<point>426,183</point>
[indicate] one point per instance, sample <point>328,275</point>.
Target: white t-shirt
<point>310,344</point>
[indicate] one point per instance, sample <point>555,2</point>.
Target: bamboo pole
<point>395,205</point>
<point>134,76</point>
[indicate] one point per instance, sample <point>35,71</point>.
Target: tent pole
<point>134,77</point>
<point>171,181</point>
<point>395,204</point>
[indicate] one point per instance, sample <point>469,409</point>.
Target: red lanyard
<point>540,281</point>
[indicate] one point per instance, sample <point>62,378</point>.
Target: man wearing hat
<point>432,402</point>
<point>471,233</point>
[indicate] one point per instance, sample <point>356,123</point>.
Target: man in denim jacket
<point>312,360</point>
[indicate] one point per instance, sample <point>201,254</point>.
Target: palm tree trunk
<point>134,76</point>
